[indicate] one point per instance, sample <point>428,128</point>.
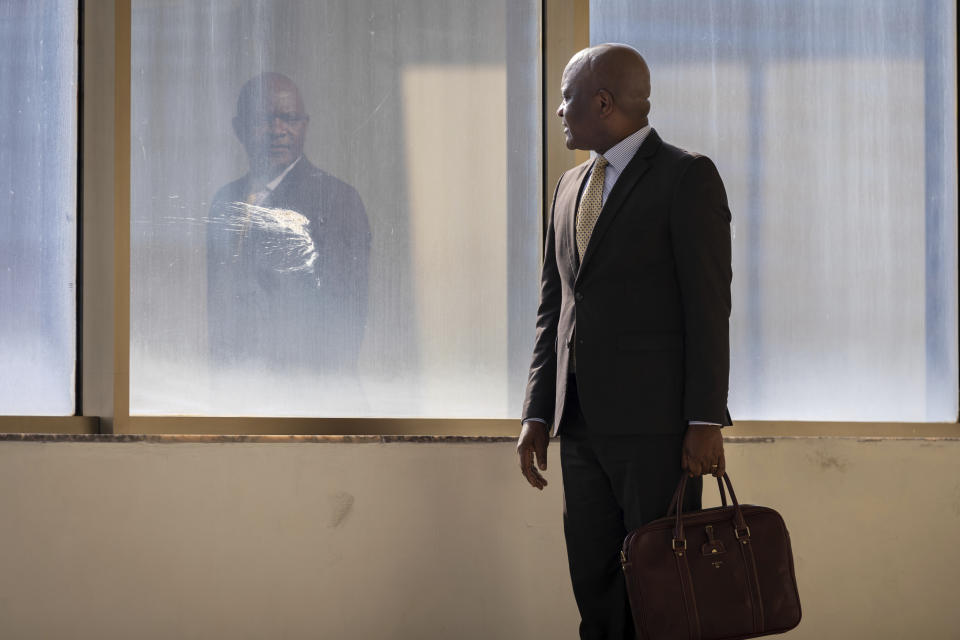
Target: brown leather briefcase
<point>725,572</point>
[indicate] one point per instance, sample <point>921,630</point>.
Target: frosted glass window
<point>833,124</point>
<point>335,207</point>
<point>38,199</point>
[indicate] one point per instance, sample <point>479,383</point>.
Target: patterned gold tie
<point>590,204</point>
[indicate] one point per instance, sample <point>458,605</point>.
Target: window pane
<point>392,271</point>
<point>833,124</point>
<point>38,199</point>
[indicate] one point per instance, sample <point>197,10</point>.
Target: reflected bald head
<point>259,90</point>
<point>271,122</point>
<point>612,84</point>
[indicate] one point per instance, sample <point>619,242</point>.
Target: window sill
<point>382,430</point>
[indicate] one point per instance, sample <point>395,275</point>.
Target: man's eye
<point>264,120</point>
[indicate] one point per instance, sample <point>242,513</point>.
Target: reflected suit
<point>287,274</point>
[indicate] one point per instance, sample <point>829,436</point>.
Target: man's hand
<point>533,440</point>
<point>703,451</point>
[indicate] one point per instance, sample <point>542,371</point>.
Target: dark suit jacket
<point>649,306</point>
<point>267,301</point>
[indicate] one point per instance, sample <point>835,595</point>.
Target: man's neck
<point>269,177</point>
<point>620,137</point>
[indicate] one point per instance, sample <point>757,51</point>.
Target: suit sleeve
<point>700,233</point>
<point>542,379</point>
<point>349,260</point>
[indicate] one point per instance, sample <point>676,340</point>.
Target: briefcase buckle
<point>742,533</point>
<point>679,545</point>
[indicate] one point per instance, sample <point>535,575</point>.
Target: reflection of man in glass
<point>288,246</point>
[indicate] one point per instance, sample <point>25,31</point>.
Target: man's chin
<point>281,160</point>
<point>272,165</point>
<point>571,142</point>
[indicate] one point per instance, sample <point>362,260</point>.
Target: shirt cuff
<point>703,423</point>
<point>540,420</point>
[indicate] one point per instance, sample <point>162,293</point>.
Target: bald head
<point>607,90</point>
<point>623,72</point>
<point>258,90</point>
<point>271,122</point>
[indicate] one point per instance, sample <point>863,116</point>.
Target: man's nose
<point>560,110</point>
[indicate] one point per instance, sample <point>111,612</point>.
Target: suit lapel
<point>566,211</point>
<point>628,179</point>
<point>283,195</point>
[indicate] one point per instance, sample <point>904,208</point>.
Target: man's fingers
<point>533,476</point>
<point>538,480</point>
<point>530,472</point>
<point>541,449</point>
<point>526,461</point>
<point>703,451</point>
<point>691,464</point>
<point>533,442</point>
<point>721,466</point>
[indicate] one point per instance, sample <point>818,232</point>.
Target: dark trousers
<point>611,485</point>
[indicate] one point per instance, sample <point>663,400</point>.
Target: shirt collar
<point>620,154</point>
<point>273,184</point>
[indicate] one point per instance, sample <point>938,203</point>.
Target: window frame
<point>103,309</point>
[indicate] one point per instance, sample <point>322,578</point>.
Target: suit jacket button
<point>578,296</point>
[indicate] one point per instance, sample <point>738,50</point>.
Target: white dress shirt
<point>258,194</point>
<point>619,156</point>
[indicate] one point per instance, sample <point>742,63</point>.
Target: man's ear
<point>645,107</point>
<point>605,102</point>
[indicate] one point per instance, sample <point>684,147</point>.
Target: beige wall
<point>332,540</point>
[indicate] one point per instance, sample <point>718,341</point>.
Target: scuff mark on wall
<point>341,505</point>
<point>827,461</point>
<point>749,439</point>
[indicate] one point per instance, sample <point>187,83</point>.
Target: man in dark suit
<point>288,247</point>
<point>631,360</point>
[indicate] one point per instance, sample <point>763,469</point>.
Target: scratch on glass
<point>285,234</point>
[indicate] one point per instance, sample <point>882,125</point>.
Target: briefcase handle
<point>739,524</point>
<point>676,494</point>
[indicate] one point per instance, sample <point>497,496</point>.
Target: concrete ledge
<point>385,439</point>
